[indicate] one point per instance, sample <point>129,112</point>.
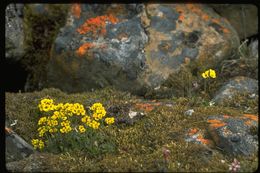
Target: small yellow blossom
<point>82,129</point>
<point>110,120</point>
<point>209,73</point>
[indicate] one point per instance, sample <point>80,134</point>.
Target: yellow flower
<point>209,73</point>
<point>62,130</point>
<point>82,129</point>
<point>42,120</point>
<point>110,120</point>
<point>94,124</point>
<point>64,118</point>
<point>37,143</point>
<point>41,144</point>
<point>212,73</point>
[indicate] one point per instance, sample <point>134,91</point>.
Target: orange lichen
<point>249,122</point>
<point>144,106</point>
<point>251,116</point>
<point>215,21</point>
<point>225,30</point>
<point>193,131</point>
<point>181,17</point>
<point>147,107</point>
<point>217,125</point>
<point>97,24</point>
<point>203,140</point>
<point>8,130</point>
<point>214,121</point>
<point>205,17</point>
<point>76,10</point>
<point>84,48</point>
<point>226,116</point>
<point>195,9</point>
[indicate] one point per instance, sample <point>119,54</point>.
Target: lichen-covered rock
<point>135,47</point>
<point>99,46</point>
<point>14,37</point>
<point>197,136</point>
<point>235,135</point>
<point>181,33</point>
<point>243,17</point>
<point>237,85</point>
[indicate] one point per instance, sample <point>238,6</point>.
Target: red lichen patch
<point>192,131</point>
<point>97,25</point>
<point>251,116</point>
<point>203,140</point>
<point>76,10</point>
<point>84,48</point>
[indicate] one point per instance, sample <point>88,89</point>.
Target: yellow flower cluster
<point>57,119</point>
<point>65,126</point>
<point>209,73</point>
<point>71,109</point>
<point>37,143</point>
<point>47,105</point>
<point>110,120</point>
<point>98,111</point>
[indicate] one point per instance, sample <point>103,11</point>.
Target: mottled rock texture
<point>235,135</point>
<point>235,86</point>
<point>135,47</point>
<point>243,17</point>
<point>14,37</point>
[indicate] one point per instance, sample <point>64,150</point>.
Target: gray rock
<point>238,84</point>
<point>233,134</point>
<point>14,34</point>
<point>16,147</point>
<point>253,47</point>
<point>37,162</point>
<point>243,17</point>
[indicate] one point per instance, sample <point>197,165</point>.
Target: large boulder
<point>135,47</point>
<point>14,32</point>
<point>243,17</point>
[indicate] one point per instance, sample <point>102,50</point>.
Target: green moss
<point>139,147</point>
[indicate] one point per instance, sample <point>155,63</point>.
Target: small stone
<point>132,114</point>
<point>189,112</point>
